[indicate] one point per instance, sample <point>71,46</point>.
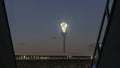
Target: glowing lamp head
<point>63,26</point>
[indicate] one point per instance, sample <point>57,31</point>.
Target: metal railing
<point>42,57</point>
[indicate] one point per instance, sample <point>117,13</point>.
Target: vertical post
<point>63,43</point>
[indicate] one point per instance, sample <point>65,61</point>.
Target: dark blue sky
<point>34,25</point>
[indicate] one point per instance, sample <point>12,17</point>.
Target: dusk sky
<point>34,25</point>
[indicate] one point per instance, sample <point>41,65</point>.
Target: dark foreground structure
<point>53,61</point>
<point>107,56</point>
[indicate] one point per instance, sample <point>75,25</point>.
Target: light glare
<point>63,26</point>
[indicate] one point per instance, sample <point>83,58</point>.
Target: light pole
<point>64,26</point>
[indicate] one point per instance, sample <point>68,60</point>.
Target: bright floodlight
<point>64,26</point>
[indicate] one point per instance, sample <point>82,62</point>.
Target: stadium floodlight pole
<point>64,26</point>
